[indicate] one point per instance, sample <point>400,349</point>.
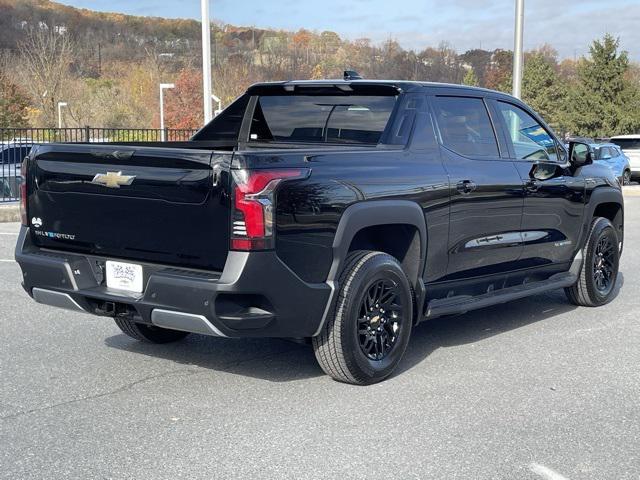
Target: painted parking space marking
<point>546,472</point>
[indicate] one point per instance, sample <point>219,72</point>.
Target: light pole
<point>217,100</point>
<point>206,61</point>
<point>518,56</point>
<point>163,86</point>
<point>60,105</point>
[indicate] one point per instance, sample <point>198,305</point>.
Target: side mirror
<point>581,154</point>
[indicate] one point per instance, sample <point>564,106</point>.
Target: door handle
<point>532,186</point>
<point>465,186</point>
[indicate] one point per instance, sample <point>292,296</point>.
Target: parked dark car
<point>343,212</point>
<point>11,156</point>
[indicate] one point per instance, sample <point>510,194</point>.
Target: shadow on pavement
<point>271,359</point>
<point>477,325</point>
<point>278,360</point>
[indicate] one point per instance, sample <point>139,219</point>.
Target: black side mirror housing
<point>580,154</point>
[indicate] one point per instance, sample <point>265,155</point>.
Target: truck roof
<point>403,85</point>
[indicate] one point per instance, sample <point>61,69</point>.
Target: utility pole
<point>206,61</point>
<point>518,55</point>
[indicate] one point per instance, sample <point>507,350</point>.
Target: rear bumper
<point>256,295</point>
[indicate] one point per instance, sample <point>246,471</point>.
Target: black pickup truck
<point>342,212</point>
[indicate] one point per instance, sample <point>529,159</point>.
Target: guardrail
<point>16,143</point>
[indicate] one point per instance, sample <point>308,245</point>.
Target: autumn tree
<point>184,104</point>
<point>14,103</point>
<point>498,75</point>
<point>45,58</point>
<point>479,60</point>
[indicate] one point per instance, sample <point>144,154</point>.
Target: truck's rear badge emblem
<point>113,179</point>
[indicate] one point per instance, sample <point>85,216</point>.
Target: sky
<point>568,25</point>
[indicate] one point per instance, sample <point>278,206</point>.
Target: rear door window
<point>465,126</point>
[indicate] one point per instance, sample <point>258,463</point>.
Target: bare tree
<point>46,56</point>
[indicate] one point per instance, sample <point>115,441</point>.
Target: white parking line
<point>546,472</point>
<point>2,260</point>
<point>9,233</point>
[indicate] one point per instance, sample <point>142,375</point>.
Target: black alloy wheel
<point>380,319</point>
<point>368,330</point>
<point>596,281</point>
<point>604,262</point>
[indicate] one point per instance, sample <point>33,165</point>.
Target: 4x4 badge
<point>113,179</point>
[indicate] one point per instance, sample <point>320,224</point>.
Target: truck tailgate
<point>158,205</point>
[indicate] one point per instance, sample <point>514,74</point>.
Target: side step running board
<point>465,303</point>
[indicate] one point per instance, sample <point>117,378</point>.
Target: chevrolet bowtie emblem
<point>113,179</point>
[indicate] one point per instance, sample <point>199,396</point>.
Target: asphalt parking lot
<point>533,389</point>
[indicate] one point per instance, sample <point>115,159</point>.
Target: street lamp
<point>163,87</point>
<point>60,105</point>
<point>206,60</point>
<point>518,58</point>
<point>217,100</point>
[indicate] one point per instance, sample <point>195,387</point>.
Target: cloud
<point>569,26</point>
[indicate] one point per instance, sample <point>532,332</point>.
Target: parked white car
<point>630,145</point>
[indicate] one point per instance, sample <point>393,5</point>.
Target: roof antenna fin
<point>352,75</point>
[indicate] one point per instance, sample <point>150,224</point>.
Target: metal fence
<point>16,143</point>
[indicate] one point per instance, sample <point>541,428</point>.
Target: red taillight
<point>253,201</point>
<point>23,194</point>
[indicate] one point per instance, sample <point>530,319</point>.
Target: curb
<point>9,213</point>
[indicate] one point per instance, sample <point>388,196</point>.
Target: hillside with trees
<point>107,67</point>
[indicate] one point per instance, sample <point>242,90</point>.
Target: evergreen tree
<point>604,101</point>
<point>542,87</point>
<point>470,78</point>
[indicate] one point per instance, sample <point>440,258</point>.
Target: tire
<point>626,178</point>
<point>587,292</point>
<point>148,333</point>
<point>361,342</point>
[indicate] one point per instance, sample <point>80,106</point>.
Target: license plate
<point>124,276</point>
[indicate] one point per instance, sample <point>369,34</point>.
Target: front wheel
<point>366,335</point>
<point>626,178</point>
<point>601,257</point>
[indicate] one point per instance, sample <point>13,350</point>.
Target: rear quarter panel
<point>308,212</point>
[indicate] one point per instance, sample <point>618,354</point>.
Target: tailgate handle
<point>216,174</point>
<point>115,154</point>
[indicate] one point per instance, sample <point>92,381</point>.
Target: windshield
<point>354,119</point>
<point>627,143</point>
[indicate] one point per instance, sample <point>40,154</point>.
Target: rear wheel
<point>601,255</point>
<point>365,337</point>
<point>148,333</point>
